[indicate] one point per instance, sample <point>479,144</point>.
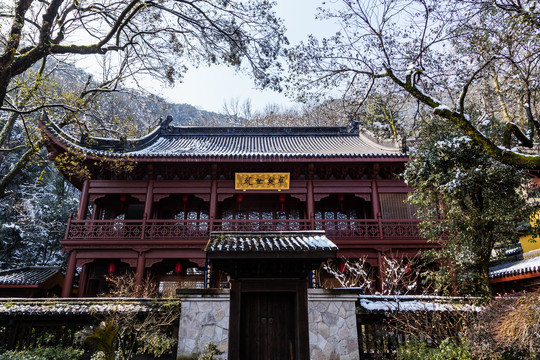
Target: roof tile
<point>235,143</point>
<point>260,242</point>
<point>32,275</point>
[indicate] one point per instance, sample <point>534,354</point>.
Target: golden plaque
<point>262,181</point>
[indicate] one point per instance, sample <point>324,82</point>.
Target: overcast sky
<point>209,87</point>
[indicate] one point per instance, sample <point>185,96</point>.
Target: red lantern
<point>282,199</point>
<point>185,199</point>
<point>178,268</point>
<point>123,198</point>
<point>341,197</point>
<point>112,268</point>
<point>342,268</point>
<point>239,200</point>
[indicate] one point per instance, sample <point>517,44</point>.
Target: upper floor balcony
<point>349,214</point>
<point>167,230</point>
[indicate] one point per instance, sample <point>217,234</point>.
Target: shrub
<point>151,334</point>
<point>509,328</point>
<point>210,350</point>
<point>53,353</point>
<point>104,338</point>
<point>447,350</point>
<point>433,326</point>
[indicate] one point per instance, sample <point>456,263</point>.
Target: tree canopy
<point>130,39</point>
<point>41,41</point>
<point>156,37</point>
<point>470,204</point>
<point>459,59</point>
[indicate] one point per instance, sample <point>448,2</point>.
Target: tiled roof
<point>31,275</point>
<point>92,306</point>
<point>293,242</point>
<point>234,143</point>
<point>526,266</point>
<point>376,303</point>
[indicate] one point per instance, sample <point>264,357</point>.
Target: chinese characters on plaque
<point>262,181</point>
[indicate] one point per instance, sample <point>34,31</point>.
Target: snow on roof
<point>414,303</point>
<point>30,275</point>
<point>514,251</point>
<point>234,143</point>
<point>516,268</point>
<point>269,242</point>
<point>75,306</point>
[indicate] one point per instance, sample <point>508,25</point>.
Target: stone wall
<point>333,332</point>
<point>331,314</point>
<point>204,319</point>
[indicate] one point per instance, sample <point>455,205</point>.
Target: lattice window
<point>393,206</point>
<point>350,207</point>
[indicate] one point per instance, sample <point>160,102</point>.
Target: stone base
<point>204,319</point>
<point>333,332</point>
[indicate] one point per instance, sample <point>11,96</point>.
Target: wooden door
<point>268,326</point>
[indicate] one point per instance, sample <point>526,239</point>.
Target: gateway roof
<point>279,244</point>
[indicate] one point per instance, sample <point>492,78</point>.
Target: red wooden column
<point>139,272</point>
<point>310,204</point>
<point>375,206</point>
<point>95,211</point>
<point>213,196</point>
<point>83,204</point>
<point>310,199</point>
<point>83,278</point>
<point>70,274</point>
<point>148,203</point>
<point>149,200</point>
<point>380,264</point>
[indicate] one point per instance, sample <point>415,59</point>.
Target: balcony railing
<point>136,229</point>
<point>369,228</point>
<point>261,225</point>
<point>177,229</point>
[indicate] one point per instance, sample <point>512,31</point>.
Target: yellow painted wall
<point>527,245</point>
<point>525,240</point>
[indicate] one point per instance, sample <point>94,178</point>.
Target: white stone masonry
<point>333,332</point>
<point>204,319</point>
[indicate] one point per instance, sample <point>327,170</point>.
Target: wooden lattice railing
<point>175,229</point>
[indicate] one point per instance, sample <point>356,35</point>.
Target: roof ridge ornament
<point>84,138</point>
<point>165,125</point>
<point>354,125</point>
<point>404,146</point>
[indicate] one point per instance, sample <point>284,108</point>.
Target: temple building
<point>153,205</point>
<point>31,282</point>
<point>520,269</point>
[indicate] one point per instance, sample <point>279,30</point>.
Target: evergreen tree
<point>469,201</point>
<point>33,217</point>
